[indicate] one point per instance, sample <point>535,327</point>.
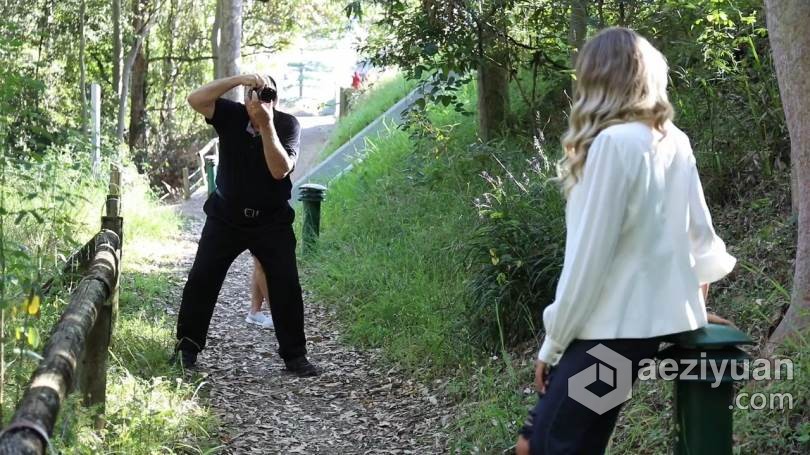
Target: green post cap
<point>710,336</point>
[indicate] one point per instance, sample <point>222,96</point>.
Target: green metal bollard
<point>210,176</point>
<point>704,414</point>
<point>311,194</point>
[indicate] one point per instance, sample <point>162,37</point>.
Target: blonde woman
<point>640,246</point>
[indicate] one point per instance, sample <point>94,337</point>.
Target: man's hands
<point>203,99</point>
<point>256,81</point>
<point>260,113</point>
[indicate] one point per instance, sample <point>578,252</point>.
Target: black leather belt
<point>247,212</point>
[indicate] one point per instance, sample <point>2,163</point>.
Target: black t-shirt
<point>242,174</point>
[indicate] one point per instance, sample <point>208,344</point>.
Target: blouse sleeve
<point>710,261</point>
<point>589,250</point>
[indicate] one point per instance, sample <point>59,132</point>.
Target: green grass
<point>152,407</point>
<point>392,259</point>
<point>371,103</point>
<point>392,269</point>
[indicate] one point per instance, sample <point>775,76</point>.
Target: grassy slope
<point>392,259</point>
<point>368,106</point>
<point>387,255</point>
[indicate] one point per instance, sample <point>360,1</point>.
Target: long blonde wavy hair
<point>621,78</point>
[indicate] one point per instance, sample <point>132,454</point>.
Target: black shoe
<point>185,358</point>
<point>301,367</point>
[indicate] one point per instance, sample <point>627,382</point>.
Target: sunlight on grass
<point>367,107</point>
<point>156,415</point>
<point>152,407</point>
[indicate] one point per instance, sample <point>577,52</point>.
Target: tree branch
<point>176,58</point>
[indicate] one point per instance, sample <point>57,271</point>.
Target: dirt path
<point>359,405</point>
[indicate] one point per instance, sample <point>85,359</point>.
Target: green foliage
<point>41,202</point>
<point>442,42</point>
<point>515,252</point>
<point>372,102</point>
<point>723,88</point>
<point>151,406</point>
<point>49,204</point>
<point>389,259</point>
<point>508,258</point>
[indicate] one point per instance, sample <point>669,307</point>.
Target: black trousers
<point>224,237</point>
<point>560,425</point>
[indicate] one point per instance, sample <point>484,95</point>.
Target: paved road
<point>344,157</point>
<point>314,133</point>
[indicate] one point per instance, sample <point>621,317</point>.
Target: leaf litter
<point>358,405</point>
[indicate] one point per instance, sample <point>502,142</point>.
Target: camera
<point>266,94</point>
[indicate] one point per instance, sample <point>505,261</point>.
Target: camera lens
<point>267,94</point>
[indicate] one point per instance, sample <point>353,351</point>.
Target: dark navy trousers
<point>560,425</point>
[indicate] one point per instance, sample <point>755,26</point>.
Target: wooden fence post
<point>344,102</point>
<point>93,371</point>
<point>186,192</point>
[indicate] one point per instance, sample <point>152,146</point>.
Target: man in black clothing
<point>258,146</point>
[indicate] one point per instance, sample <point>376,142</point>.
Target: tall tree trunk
<point>215,37</point>
<point>82,67</point>
<point>577,31</point>
<point>493,80</point>
<point>790,43</point>
<point>230,43</point>
<point>116,57</point>
<point>164,138</point>
<point>137,110</point>
<point>578,28</point>
<point>167,100</point>
<point>126,73</point>
<point>493,96</point>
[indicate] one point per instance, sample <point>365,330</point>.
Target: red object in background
<point>356,80</point>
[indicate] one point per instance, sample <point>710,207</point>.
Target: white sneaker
<point>257,318</point>
<point>268,323</point>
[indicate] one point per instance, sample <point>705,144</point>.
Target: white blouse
<point>639,243</point>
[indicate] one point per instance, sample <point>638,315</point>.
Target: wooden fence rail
<point>193,181</point>
<point>77,350</point>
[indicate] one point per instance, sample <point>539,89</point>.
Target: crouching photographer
<point>258,147</point>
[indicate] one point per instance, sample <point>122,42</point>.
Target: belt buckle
<point>250,213</point>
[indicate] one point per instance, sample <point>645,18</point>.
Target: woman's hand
<point>540,376</point>
<point>715,319</point>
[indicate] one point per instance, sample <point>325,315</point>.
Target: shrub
<point>515,254</point>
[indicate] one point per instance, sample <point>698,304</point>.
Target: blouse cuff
<point>550,351</point>
<point>713,265</point>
